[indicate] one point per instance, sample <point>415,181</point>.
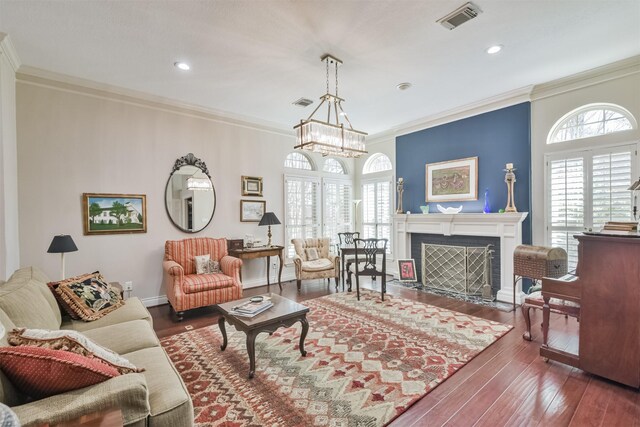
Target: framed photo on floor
<point>252,210</point>
<point>114,213</point>
<point>407,270</point>
<point>452,181</point>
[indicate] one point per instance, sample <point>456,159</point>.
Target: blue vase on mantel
<point>487,206</point>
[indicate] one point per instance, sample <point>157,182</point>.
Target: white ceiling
<point>253,58</point>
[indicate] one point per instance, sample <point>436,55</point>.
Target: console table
<point>264,252</point>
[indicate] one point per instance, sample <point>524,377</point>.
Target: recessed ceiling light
<point>404,86</point>
<point>182,65</point>
<point>494,49</point>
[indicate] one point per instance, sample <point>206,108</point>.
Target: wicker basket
<point>536,262</point>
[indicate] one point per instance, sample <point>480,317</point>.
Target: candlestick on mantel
<point>510,179</point>
<point>400,189</point>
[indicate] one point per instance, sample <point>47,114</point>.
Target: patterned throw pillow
<point>73,342</point>
<point>53,286</point>
<point>312,254</point>
<point>41,372</point>
<point>91,298</point>
<point>212,267</point>
<point>202,261</point>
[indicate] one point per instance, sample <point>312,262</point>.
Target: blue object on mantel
<point>487,206</point>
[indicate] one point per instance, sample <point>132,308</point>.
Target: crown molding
<point>591,77</point>
<point>49,79</point>
<point>486,105</point>
<point>8,49</point>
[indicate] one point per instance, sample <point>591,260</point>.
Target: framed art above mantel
<point>452,180</point>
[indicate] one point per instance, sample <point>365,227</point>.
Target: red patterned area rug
<point>367,362</point>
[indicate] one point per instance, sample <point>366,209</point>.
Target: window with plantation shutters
<point>302,209</point>
<point>585,190</point>
<point>337,202</point>
<point>376,210</point>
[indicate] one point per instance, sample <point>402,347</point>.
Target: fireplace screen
<point>460,269</point>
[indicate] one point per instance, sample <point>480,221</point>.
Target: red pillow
<point>41,372</point>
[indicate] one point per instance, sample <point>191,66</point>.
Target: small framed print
<point>252,186</point>
<point>407,270</point>
<point>252,210</point>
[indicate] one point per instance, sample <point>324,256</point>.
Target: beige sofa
<point>156,397</point>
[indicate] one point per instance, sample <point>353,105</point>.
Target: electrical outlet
<point>273,265</point>
<point>128,286</point>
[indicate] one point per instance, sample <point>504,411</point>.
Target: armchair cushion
<point>195,283</point>
<point>317,265</point>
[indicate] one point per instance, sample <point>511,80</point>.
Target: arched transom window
<point>377,163</point>
<point>298,161</point>
<point>591,120</point>
<point>333,166</point>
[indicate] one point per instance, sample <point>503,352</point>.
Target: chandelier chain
<point>327,62</point>
<point>336,79</point>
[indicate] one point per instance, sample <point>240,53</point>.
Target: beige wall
<point>9,241</point>
<point>71,142</point>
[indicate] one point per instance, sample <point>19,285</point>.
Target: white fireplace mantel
<point>506,226</point>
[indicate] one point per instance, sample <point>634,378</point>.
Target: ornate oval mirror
<point>190,198</point>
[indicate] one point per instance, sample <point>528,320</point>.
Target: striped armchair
<point>186,289</point>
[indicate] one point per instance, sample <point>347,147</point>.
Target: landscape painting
<point>114,213</point>
<point>453,180</point>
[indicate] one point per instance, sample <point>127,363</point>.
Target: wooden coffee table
<point>283,314</point>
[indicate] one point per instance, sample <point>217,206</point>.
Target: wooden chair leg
<point>299,283</point>
<point>546,310</point>
<point>337,279</point>
<point>358,287</point>
<point>526,308</point>
<point>384,286</point>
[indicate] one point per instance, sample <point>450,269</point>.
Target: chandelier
<point>325,137</point>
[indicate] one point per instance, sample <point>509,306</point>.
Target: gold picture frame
<point>111,213</point>
<point>452,180</point>
<point>252,186</point>
<point>252,210</point>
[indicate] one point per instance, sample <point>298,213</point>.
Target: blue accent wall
<point>496,138</point>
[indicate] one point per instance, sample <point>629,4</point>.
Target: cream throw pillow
<point>202,263</point>
<point>312,254</point>
<point>73,342</point>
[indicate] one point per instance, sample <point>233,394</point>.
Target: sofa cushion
<point>72,341</point>
<point>91,298</point>
<point>125,337</point>
<point>26,305</point>
<point>317,265</point>
<point>131,310</point>
<point>168,397</point>
<point>195,283</point>
<point>40,280</point>
<point>8,393</point>
<point>40,372</point>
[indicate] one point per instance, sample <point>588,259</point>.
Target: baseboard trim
<point>153,301</point>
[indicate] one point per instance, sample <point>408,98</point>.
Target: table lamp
<point>60,245</point>
<point>269,218</point>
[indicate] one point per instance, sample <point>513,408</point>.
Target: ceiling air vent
<point>303,102</point>
<point>460,16</point>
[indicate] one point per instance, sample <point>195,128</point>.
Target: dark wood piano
<point>607,287</point>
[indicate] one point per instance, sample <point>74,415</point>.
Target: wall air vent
<point>303,102</point>
<point>460,16</point>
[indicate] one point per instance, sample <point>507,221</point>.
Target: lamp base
<point>269,236</point>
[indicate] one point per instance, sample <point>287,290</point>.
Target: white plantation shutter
<point>376,210</point>
<point>585,190</point>
<point>337,208</point>
<point>566,181</point>
<point>302,209</point>
<point>611,178</point>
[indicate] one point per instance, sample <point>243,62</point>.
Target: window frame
<point>378,177</point>
<point>587,153</point>
<point>371,159</point>
<point>589,107</point>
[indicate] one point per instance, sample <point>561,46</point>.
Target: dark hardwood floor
<point>508,384</point>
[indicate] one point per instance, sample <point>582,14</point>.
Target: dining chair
<point>370,260</point>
